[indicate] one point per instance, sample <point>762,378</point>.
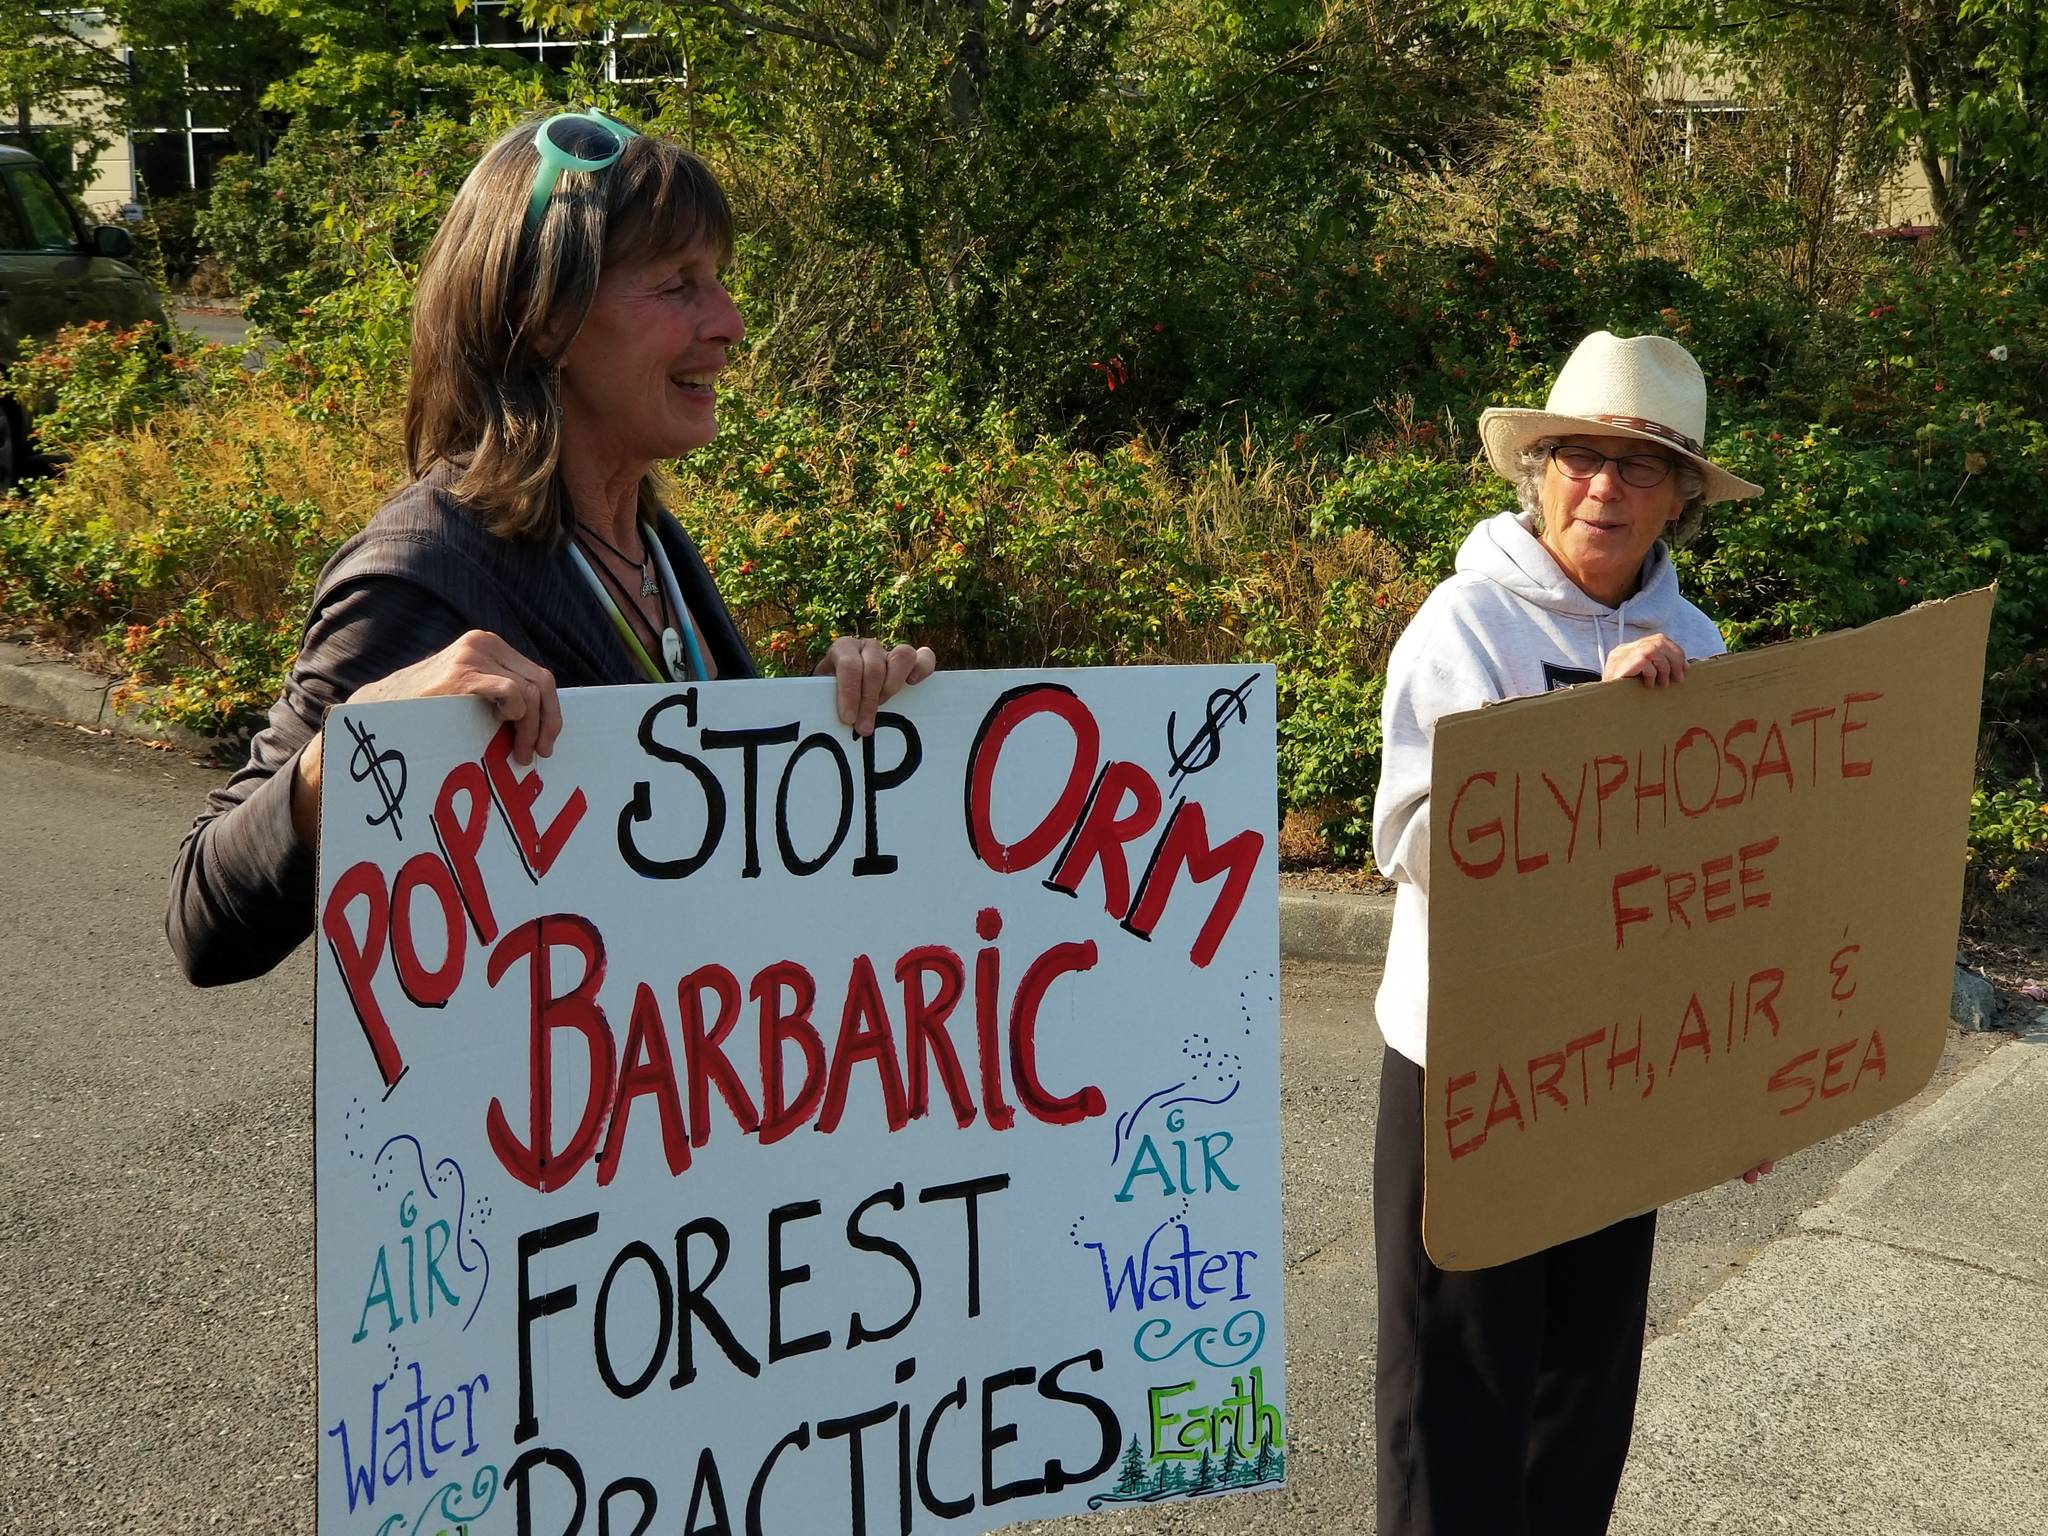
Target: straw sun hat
<point>1641,386</point>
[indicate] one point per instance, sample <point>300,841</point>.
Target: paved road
<point>156,1235</point>
<point>216,325</point>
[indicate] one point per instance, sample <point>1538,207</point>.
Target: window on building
<point>163,163</point>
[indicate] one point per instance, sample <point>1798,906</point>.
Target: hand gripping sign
<point>730,1124</point>
<point>1676,932</point>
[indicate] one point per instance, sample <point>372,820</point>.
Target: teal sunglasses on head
<point>572,141</point>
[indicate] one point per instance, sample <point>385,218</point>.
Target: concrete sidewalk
<point>1882,1369</point>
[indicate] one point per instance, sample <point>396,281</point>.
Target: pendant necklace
<point>648,587</point>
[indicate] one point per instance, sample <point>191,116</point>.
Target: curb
<point>1349,927</point>
<point>49,686</point>
<point>1346,926</point>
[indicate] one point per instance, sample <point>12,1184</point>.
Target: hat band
<point>1655,428</point>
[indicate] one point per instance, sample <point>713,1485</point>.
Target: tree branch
<point>814,32</point>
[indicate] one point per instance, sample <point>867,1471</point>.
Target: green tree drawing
<point>1132,1478</point>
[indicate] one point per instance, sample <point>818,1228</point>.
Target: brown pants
<point>1506,1396</point>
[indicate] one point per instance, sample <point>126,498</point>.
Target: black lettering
<point>708,1481</point>
<point>1057,1476</point>
<point>800,1437</point>
<point>871,860</point>
<point>857,1331</point>
<point>781,1278</point>
<point>970,1191</point>
<point>945,1509</point>
<point>790,861</point>
<point>701,1310</point>
<point>750,742</point>
<point>600,1333</point>
<point>532,1308</point>
<point>642,1490</point>
<point>851,1428</point>
<point>995,1436</point>
<point>641,808</point>
<point>521,1471</point>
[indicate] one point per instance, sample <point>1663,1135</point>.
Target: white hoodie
<point>1509,623</point>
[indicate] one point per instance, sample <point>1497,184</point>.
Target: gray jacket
<point>422,573</point>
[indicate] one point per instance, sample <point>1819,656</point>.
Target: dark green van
<point>54,272</point>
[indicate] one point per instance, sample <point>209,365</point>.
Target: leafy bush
<point>92,381</point>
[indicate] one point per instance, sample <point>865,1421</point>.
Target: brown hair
<point>497,304</point>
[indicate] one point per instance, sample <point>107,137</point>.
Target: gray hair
<point>1532,459</point>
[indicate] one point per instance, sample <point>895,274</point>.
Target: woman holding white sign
<point>1506,1396</point>
<point>568,332</point>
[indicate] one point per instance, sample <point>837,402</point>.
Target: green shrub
<point>92,382</point>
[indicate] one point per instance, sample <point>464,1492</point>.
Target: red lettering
<point>1645,790</point>
<point>1495,1113</point>
<point>1693,1033</point>
<point>781,1025</point>
<point>1491,829</point>
<point>1873,1056</point>
<point>1004,716</point>
<point>1854,770</point>
<point>987,987</point>
<point>1838,967</point>
<point>1545,1087</point>
<point>1100,834</point>
<point>864,1035</point>
<point>515,797</point>
<point>1455,1117</point>
<point>1623,916</point>
<point>1768,763</point>
<point>1578,1048</point>
<point>1184,845</point>
<point>1811,718</point>
<point>1715,886</point>
<point>648,1068</point>
<point>1678,890</point>
<point>427,989</point>
<point>1571,812</point>
<point>925,1040</point>
<point>1836,1056</point>
<point>1695,733</point>
<point>1085,1103</point>
<point>1524,866</point>
<point>1736,795</point>
<point>1632,1057</point>
<point>1603,787</point>
<point>704,1051</point>
<point>1749,874</point>
<point>535,1163</point>
<point>462,838</point>
<point>1753,1006</point>
<point>1788,1077</point>
<point>358,958</point>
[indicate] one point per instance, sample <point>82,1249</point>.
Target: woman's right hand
<point>1656,659</point>
<point>480,665</point>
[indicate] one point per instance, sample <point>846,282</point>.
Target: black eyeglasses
<point>1641,470</point>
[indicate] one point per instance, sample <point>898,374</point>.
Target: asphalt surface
<point>156,1223</point>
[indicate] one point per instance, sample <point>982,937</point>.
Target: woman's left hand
<point>869,673</point>
<point>1758,1171</point>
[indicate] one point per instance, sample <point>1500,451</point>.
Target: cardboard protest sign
<point>1675,932</point>
<point>728,1124</point>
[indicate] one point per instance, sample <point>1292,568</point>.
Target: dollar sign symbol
<point>1207,744</point>
<point>366,762</point>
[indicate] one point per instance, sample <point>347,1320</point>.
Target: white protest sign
<point>731,1125</point>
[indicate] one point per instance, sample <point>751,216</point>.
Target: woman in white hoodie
<point>1506,1396</point>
